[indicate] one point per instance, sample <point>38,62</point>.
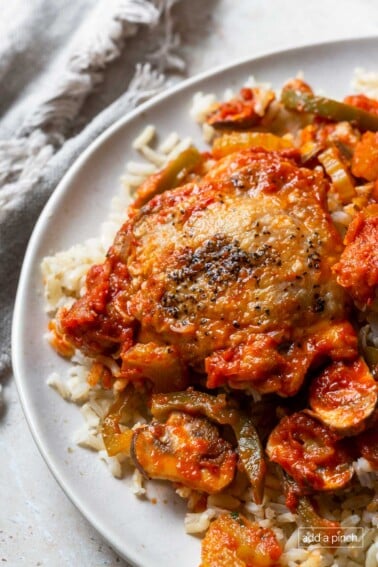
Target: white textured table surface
<point>38,524</point>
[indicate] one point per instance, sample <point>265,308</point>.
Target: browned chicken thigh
<point>229,275</point>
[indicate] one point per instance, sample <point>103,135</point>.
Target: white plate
<point>145,534</point>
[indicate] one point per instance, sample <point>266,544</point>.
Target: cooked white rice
<point>64,281</point>
<point>366,82</point>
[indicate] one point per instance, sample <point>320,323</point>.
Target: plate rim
<point>129,555</point>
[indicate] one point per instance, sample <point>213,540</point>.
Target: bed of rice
<point>64,281</point>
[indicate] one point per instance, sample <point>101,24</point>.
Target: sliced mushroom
<point>310,452</point>
<point>216,408</point>
<point>185,449</point>
<point>344,395</point>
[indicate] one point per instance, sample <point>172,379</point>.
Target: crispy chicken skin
<point>230,274</point>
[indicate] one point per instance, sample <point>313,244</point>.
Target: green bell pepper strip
<point>120,412</point>
<point>180,166</point>
<point>169,177</point>
<point>330,109</point>
<point>251,453</point>
<point>369,352</point>
<point>190,401</point>
<point>307,514</point>
<point>216,408</point>
<point>371,356</point>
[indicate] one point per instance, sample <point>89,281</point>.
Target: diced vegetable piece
<point>310,452</point>
<point>365,157</point>
<point>243,111</point>
<point>362,101</point>
<point>309,150</point>
<point>171,176</point>
<point>185,449</point>
<point>236,141</point>
<point>217,409</point>
<point>233,541</point>
<point>115,440</point>
<point>344,395</point>
<point>357,270</point>
<point>328,108</point>
<point>160,364</point>
<point>341,179</point>
<point>100,374</point>
<point>318,136</point>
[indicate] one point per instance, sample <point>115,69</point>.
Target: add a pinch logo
<point>326,537</point>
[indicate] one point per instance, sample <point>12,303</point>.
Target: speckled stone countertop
<point>38,524</point>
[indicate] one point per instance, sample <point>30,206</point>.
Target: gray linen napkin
<point>52,66</point>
